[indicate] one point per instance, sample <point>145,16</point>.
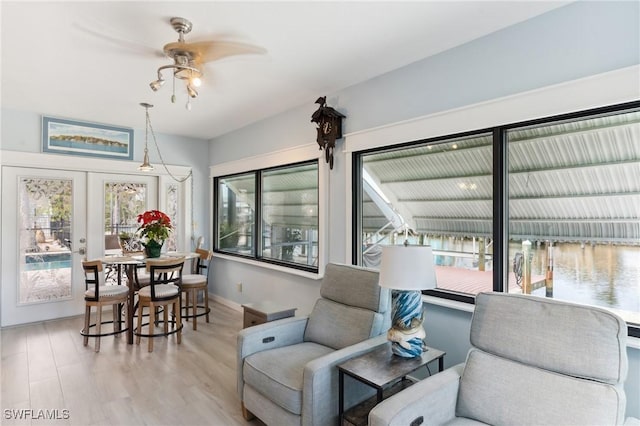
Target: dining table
<point>127,263</point>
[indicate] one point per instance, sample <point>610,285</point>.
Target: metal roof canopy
<point>570,181</point>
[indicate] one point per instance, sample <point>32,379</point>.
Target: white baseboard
<point>226,302</point>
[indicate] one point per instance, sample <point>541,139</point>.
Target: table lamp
<point>407,270</point>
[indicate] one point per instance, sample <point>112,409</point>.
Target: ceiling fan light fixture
<point>191,91</point>
<point>157,84</point>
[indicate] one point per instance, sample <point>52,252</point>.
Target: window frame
<point>258,214</point>
<point>500,190</point>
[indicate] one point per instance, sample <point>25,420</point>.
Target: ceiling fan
<point>190,57</point>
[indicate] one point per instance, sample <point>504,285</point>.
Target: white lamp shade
<point>407,268</point>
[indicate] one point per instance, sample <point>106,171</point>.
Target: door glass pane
<point>123,202</point>
<point>236,212</point>
<point>172,211</point>
<point>45,239</point>
<point>290,214</point>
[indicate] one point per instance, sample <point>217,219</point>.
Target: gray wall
<point>21,131</point>
<point>575,41</point>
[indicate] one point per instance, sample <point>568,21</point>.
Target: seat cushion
<point>278,373</point>
<point>162,290</point>
<point>496,390</point>
<point>108,291</point>
<point>193,280</point>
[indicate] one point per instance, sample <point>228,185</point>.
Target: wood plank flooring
<point>47,372</point>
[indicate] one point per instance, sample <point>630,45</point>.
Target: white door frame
<point>87,164</point>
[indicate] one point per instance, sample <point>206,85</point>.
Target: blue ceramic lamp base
<point>406,333</point>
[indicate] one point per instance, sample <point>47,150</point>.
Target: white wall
<point>21,131</point>
<point>579,40</point>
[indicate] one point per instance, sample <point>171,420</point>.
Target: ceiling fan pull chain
<point>173,96</point>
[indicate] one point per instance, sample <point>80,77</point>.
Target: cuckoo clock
<point>329,128</point>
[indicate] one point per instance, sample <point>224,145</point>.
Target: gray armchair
<point>533,361</point>
<point>287,371</point>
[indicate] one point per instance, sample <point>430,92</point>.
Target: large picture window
<point>437,193</point>
<point>549,207</point>
<point>270,215</point>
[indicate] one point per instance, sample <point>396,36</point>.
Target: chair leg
<point>98,327</point>
<point>206,302</point>
<point>177,310</point>
<point>194,307</point>
<point>116,318</point>
<point>139,328</point>
<point>87,321</point>
<point>166,321</point>
<point>248,415</point>
<point>152,319</point>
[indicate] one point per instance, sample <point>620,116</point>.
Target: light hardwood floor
<point>46,367</point>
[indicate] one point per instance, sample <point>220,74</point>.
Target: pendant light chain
<point>153,135</point>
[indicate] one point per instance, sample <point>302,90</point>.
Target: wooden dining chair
<point>163,291</point>
<point>98,294</point>
<point>194,284</point>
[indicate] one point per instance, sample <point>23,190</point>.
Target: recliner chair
<point>533,361</point>
<point>287,371</point>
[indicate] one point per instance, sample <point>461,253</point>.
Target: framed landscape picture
<point>62,136</point>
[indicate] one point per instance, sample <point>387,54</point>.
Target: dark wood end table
<point>385,372</point>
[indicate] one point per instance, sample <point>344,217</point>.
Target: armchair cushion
<point>354,286</point>
<point>552,335</point>
<point>279,372</point>
<point>355,325</point>
<point>496,390</point>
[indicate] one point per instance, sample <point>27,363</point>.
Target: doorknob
<point>81,250</point>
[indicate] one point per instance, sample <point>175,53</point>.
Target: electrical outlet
<point>239,287</point>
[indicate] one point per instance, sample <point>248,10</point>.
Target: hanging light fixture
<point>146,166</point>
<point>185,63</point>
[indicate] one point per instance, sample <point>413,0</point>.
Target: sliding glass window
<point>286,219</point>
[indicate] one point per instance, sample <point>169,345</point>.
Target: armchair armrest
<point>320,382</point>
<point>432,399</point>
<point>271,335</point>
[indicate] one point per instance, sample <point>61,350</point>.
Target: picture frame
<point>70,137</point>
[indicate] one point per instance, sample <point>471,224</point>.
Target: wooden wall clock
<point>329,128</point>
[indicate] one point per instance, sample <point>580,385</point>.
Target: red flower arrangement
<point>155,226</point>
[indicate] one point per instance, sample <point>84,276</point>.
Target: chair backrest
<point>543,361</point>
<point>203,261</point>
<point>93,277</point>
<point>164,271</point>
<point>352,307</point>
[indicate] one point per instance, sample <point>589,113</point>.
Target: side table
<point>385,372</point>
<point>261,312</point>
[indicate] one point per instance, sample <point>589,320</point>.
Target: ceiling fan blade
<point>214,50</point>
<point>132,46</point>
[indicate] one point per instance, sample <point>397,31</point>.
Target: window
<point>574,210</point>
<point>236,205</point>
<point>441,193</point>
<point>557,198</point>
<point>280,205</point>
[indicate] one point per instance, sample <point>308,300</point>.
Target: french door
<point>51,221</point>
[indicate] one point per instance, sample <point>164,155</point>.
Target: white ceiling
<point>93,61</point>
